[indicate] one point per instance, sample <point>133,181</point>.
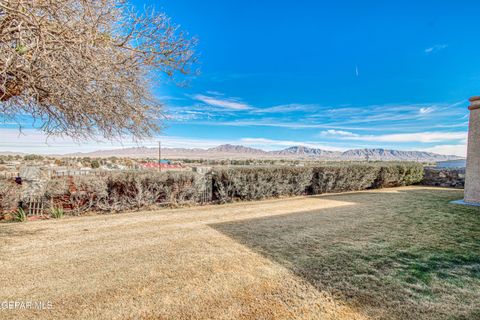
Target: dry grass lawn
<point>401,253</point>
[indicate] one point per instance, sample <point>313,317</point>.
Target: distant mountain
<point>138,152</point>
<point>8,153</point>
<point>307,152</point>
<point>395,155</point>
<point>229,148</point>
<point>229,151</point>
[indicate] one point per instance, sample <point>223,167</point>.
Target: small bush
<point>341,178</point>
<point>56,213</point>
<point>9,195</point>
<point>399,174</point>
<point>56,188</point>
<point>87,193</point>
<point>253,183</point>
<point>135,190</point>
<point>19,215</point>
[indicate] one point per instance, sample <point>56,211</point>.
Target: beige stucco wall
<point>472,180</point>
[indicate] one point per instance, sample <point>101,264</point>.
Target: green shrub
<point>399,174</point>
<point>253,183</point>
<point>57,213</point>
<point>19,215</point>
<point>341,178</point>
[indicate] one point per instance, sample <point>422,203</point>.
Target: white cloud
<point>170,98</point>
<point>423,137</point>
<point>286,108</point>
<point>426,110</point>
<point>435,48</point>
<point>337,133</point>
<point>227,103</point>
<point>273,123</point>
<point>454,149</point>
<point>34,141</point>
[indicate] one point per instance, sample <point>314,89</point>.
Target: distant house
<point>163,164</point>
<point>202,169</point>
<point>30,173</point>
<point>33,179</point>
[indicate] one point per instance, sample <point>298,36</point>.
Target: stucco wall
<point>472,186</point>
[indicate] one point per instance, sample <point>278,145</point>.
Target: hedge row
<point>252,183</point>
<point>126,191</point>
<point>135,190</point>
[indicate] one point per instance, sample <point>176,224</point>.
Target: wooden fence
<point>36,206</point>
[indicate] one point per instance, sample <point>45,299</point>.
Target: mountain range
<point>229,151</point>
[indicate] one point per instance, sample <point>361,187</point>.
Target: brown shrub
<point>10,194</point>
<point>136,190</point>
<point>125,190</point>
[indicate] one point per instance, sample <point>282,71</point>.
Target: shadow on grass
<point>395,255</point>
<point>17,229</point>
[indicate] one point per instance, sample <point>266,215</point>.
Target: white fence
<point>8,174</point>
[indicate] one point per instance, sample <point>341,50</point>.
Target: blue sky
<point>335,75</point>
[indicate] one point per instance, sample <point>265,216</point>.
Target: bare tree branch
<point>86,67</point>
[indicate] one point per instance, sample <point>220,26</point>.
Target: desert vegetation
<point>116,192</point>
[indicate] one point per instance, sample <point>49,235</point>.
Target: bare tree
<point>86,67</point>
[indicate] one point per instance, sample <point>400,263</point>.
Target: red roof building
<point>156,165</point>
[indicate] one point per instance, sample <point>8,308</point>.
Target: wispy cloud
<point>171,98</point>
<point>449,149</point>
<point>422,137</point>
<point>426,110</point>
<point>435,48</point>
<point>281,124</point>
<point>337,133</point>
<point>218,109</point>
<point>287,108</point>
<point>223,102</point>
